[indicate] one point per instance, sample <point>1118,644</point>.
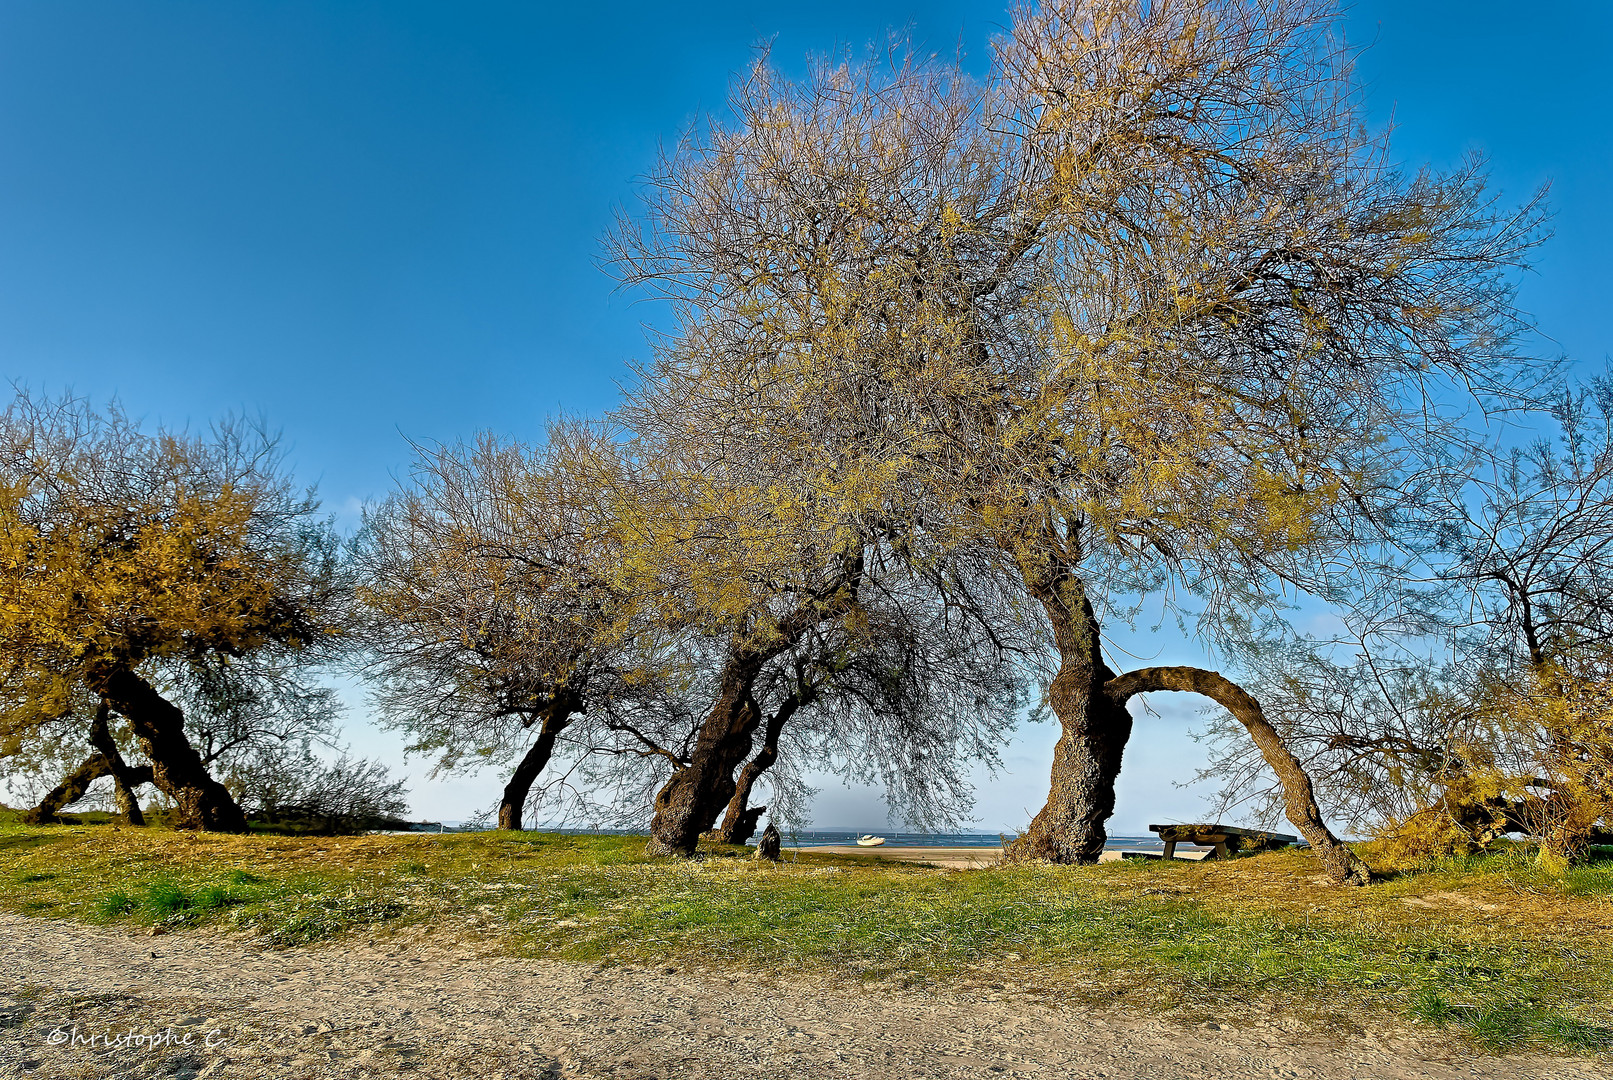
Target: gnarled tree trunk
<point>739,822</point>
<point>1299,799</point>
<point>692,798</point>
<point>177,769</point>
<point>69,791</point>
<point>690,801</point>
<point>556,717</point>
<point>124,779</point>
<point>106,761</point>
<point>1094,731</point>
<point>128,803</point>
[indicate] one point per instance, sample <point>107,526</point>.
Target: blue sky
<point>378,219</point>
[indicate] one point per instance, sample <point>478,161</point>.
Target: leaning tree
<point>495,620</point>
<point>1145,312</point>
<point>729,549</point>
<point>134,562</point>
<point>901,690</point>
<point>1470,695</point>
<point>915,690</point>
<point>754,555</point>
<point>249,718</point>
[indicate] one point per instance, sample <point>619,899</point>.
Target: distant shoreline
<point>805,839</point>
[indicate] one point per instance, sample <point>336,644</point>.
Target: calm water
<point>814,837</point>
<point>822,837</point>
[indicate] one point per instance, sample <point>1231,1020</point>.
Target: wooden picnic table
<point>1228,841</point>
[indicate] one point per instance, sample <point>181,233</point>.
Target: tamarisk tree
<point>922,690</point>
<point>134,561</point>
<point>53,749</point>
<point>1472,698</point>
<point>495,618</point>
<point>1144,312</point>
<point>753,569</point>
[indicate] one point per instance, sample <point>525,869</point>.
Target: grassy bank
<point>1494,948</point>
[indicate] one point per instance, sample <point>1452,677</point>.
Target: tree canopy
<point>1144,310</point>
<point>132,559</point>
<point>959,370</point>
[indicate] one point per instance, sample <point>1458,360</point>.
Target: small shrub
<point>295,792</point>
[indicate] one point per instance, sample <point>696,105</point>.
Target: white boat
<point>870,841</point>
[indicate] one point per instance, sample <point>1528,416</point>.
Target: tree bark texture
<point>106,761</point>
<point>177,769</point>
<point>69,791</point>
<point>124,779</point>
<point>739,822</point>
<point>691,799</point>
<point>1093,735</point>
<point>768,847</point>
<point>1343,866</point>
<point>555,720</point>
<point>128,805</point>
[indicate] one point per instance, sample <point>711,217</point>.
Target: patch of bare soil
<point>424,1009</point>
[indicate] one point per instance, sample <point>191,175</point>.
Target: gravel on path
<point>400,1008</point>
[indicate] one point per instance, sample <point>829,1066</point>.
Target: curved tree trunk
<point>555,720</point>
<point>124,779</point>
<point>106,761</point>
<point>739,823</point>
<point>177,769</point>
<point>128,804</point>
<point>69,791</point>
<point>1299,799</point>
<point>1086,760</point>
<point>690,801</point>
<point>692,798</point>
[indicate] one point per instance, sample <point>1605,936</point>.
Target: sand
<point>430,1007</point>
<point>970,858</point>
<point>956,858</point>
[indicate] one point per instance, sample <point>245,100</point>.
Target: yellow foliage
<point>1533,755</point>
<point>118,548</point>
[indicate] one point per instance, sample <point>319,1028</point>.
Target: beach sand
<point>954,858</point>
<point>969,858</point>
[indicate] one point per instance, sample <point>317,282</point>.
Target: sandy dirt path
<point>382,1009</point>
<point>953,858</point>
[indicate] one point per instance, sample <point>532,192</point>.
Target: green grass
<point>1593,879</point>
<point>1495,949</point>
<point>116,903</point>
<point>1502,1025</point>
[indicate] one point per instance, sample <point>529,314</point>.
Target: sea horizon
<point>831,837</point>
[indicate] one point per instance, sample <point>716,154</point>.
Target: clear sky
<point>375,219</point>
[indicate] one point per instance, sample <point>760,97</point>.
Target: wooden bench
<point>1228,841</point>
